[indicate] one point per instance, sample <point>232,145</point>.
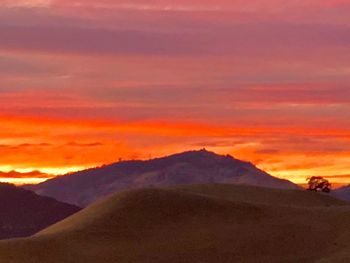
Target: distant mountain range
<point>193,167</point>
<point>23,213</point>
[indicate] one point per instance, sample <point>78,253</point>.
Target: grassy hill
<point>201,223</point>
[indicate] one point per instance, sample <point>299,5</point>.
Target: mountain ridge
<point>191,167</point>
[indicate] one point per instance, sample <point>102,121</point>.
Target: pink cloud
<point>279,70</point>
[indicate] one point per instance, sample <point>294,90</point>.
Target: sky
<point>86,83</point>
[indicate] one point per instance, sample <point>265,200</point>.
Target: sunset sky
<point>85,83</point>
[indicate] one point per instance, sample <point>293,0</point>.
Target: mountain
<point>197,224</point>
<point>24,213</point>
<point>342,193</point>
<point>194,167</point>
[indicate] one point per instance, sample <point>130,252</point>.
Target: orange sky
<point>58,146</point>
<point>84,83</point>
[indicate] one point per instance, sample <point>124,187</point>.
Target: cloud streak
<point>89,82</point>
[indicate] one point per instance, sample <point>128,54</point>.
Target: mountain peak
<point>202,156</point>
<point>201,153</point>
<point>191,167</point>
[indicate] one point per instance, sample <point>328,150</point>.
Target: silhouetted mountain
<point>194,167</point>
<point>23,213</point>
<point>342,193</point>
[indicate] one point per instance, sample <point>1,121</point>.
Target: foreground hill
<point>23,213</point>
<point>195,167</point>
<point>197,224</point>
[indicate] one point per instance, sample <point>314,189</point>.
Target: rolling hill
<point>194,167</point>
<point>197,224</point>
<point>23,213</point>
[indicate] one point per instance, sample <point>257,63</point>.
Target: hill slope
<point>342,193</point>
<point>194,224</point>
<point>23,213</point>
<point>195,167</point>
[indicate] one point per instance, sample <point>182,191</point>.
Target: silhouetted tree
<point>318,183</point>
